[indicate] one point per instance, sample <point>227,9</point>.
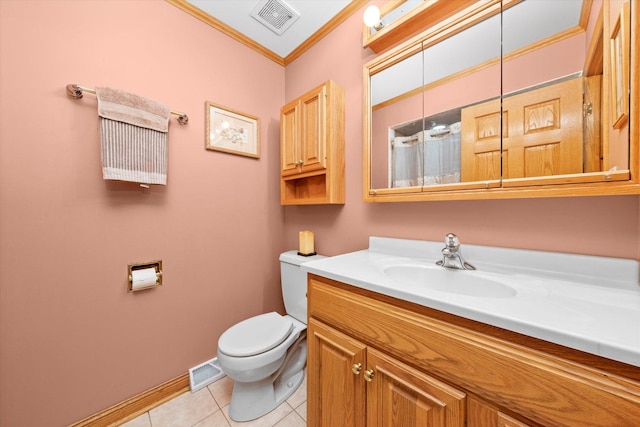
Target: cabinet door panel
<point>336,393</point>
<point>481,142</point>
<point>544,131</point>
<point>313,130</point>
<point>289,137</point>
<point>541,134</point>
<point>400,396</point>
<point>481,414</point>
<point>507,421</point>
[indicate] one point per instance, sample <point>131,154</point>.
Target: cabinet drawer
<point>543,388</point>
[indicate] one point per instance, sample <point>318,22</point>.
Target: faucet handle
<point>451,240</point>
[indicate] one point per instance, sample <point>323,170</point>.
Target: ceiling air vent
<point>276,15</point>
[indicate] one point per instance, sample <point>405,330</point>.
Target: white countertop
<point>582,302</point>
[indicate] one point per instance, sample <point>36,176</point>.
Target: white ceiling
<point>237,14</point>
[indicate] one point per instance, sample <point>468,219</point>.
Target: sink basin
<point>461,282</point>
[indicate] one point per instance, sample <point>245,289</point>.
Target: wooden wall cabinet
<point>551,138</point>
<point>374,360</point>
<point>312,147</point>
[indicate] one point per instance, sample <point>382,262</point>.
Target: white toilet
<point>266,354</point>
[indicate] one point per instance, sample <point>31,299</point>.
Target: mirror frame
<point>609,183</point>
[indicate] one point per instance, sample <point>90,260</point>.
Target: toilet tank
<point>294,283</point>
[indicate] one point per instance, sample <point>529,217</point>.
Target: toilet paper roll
<point>143,278</point>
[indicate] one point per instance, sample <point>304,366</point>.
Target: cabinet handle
<point>368,375</point>
<point>356,368</point>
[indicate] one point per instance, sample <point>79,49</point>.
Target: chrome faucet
<point>451,255</point>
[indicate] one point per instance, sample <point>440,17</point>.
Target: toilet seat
<point>255,335</point>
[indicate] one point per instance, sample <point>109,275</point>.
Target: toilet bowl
<point>266,354</point>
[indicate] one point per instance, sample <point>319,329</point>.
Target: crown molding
<point>345,13</point>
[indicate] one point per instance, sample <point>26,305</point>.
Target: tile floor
<point>209,407</point>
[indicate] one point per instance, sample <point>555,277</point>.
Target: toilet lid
<point>255,335</point>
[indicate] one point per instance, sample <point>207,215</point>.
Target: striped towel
<point>133,135</point>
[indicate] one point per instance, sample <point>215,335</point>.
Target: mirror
<point>503,95</point>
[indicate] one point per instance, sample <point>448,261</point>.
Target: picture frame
<point>231,131</point>
<point>619,61</point>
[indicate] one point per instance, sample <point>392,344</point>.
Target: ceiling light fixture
<point>372,18</point>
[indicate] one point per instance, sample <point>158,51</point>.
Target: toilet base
<point>254,399</point>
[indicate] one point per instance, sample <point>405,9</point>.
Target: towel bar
<point>75,91</point>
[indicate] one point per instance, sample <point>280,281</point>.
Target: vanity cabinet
<point>312,147</point>
<point>358,385</point>
<point>376,360</point>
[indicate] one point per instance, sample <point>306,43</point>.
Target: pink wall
<point>73,341</point>
<point>606,226</point>
<point>561,59</point>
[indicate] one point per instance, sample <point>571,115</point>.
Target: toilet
<point>265,355</point>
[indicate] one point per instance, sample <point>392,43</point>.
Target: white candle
<point>306,242</point>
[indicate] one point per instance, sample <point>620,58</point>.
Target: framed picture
<point>231,131</point>
<point>620,69</point>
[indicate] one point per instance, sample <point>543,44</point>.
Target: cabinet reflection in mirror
<point>516,98</point>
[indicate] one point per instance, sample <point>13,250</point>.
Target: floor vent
<point>276,15</point>
<point>204,374</point>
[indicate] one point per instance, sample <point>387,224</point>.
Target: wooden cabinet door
<point>544,135</point>
<point>303,133</point>
<point>289,151</point>
<point>480,149</point>
<point>400,396</point>
<point>481,414</point>
<point>313,129</point>
<point>336,388</point>
<point>541,134</point>
<point>506,421</point>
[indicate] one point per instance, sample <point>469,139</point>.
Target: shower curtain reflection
<point>407,156</point>
<point>428,157</point>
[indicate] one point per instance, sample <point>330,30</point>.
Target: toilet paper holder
<point>156,265</point>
